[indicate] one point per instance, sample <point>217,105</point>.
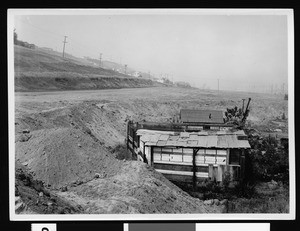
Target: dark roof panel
<point>201,116</point>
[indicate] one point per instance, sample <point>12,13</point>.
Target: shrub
<point>244,189</point>
<point>226,179</point>
<point>122,153</point>
<point>267,160</point>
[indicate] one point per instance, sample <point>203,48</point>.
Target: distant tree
<point>234,115</point>
<point>15,37</point>
<point>167,81</point>
<point>237,116</point>
<point>183,84</point>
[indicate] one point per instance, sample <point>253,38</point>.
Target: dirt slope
<point>37,70</point>
<point>67,146</point>
<point>145,191</point>
<point>31,197</point>
<point>59,148</point>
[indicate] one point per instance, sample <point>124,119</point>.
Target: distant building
<point>137,74</point>
<point>31,46</point>
<point>46,49</point>
<point>201,116</point>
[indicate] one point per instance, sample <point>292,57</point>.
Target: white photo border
<point>11,13</point>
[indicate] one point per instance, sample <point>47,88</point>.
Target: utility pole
<point>100,59</point>
<point>218,86</point>
<point>243,105</point>
<point>64,46</point>
<point>125,69</point>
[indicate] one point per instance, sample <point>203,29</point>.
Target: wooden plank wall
<point>194,164</point>
<point>186,164</point>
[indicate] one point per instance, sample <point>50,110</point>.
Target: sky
<point>243,52</point>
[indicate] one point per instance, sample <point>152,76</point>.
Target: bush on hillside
<point>120,151</point>
<point>267,160</point>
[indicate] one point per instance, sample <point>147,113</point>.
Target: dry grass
<point>265,201</point>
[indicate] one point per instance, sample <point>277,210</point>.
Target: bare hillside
<point>38,70</point>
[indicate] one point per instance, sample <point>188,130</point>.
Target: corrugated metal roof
<point>201,116</point>
<point>232,141</point>
<point>202,141</point>
<point>244,143</point>
<point>154,138</point>
<point>193,137</point>
<point>161,143</point>
<point>184,134</point>
<point>211,139</point>
<point>203,133</point>
<point>171,143</point>
<point>222,142</point>
<point>164,137</point>
<point>151,143</point>
<point>174,138</point>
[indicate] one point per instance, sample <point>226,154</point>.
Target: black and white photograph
<point>150,114</point>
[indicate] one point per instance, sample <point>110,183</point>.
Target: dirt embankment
<point>136,188</point>
<point>31,197</point>
<point>68,147</point>
<point>66,81</point>
<point>37,70</point>
<point>59,147</point>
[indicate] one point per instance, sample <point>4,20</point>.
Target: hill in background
<point>43,70</point>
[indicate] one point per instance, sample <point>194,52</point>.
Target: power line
<point>125,69</point>
<point>58,36</point>
<point>100,59</point>
<point>41,29</point>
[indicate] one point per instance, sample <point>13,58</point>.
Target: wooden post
<point>194,169</point>
<point>211,171</point>
<point>128,134</point>
<point>227,157</point>
<point>133,136</point>
<point>242,164</point>
<point>220,173</point>
<point>151,156</point>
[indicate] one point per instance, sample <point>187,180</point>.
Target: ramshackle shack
<point>190,151</point>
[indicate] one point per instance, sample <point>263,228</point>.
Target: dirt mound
<point>33,198</point>
<point>61,156</point>
<point>137,188</point>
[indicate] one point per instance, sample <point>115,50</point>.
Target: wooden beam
<point>128,133</point>
<point>177,126</point>
<point>195,150</point>
<point>151,156</point>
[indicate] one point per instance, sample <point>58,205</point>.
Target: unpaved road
<point>64,138</point>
